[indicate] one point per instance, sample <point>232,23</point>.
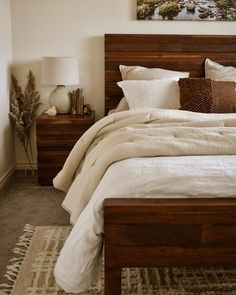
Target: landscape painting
<point>214,10</point>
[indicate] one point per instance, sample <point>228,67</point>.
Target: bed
<point>141,220</point>
<point>165,232</point>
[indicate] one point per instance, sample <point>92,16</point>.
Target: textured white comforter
<point>173,133</point>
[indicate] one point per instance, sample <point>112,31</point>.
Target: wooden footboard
<point>167,232</point>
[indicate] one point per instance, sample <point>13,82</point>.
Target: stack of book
<point>77,102</point>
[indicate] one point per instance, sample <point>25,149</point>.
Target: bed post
<point>112,269</point>
<point>112,281</point>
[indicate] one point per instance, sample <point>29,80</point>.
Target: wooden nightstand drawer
<point>53,157</point>
<point>74,127</point>
<point>60,135</point>
<point>56,137</point>
<point>55,145</point>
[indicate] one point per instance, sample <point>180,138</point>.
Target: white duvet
<point>182,172</point>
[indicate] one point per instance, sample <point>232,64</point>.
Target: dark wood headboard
<point>174,52</point>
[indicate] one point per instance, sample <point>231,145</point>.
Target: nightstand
<point>56,137</point>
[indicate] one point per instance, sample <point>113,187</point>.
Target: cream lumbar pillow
<point>219,72</point>
<point>142,73</point>
<point>162,93</point>
<point>122,105</point>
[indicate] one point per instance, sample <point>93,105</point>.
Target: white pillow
<point>142,73</point>
<point>163,93</point>
<point>216,71</point>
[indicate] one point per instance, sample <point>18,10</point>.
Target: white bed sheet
<point>171,177</point>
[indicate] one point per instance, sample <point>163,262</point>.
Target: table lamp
<point>60,71</point>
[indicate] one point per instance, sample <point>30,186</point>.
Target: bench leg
<point>112,281</point>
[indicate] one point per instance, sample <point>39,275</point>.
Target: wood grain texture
<point>56,137</point>
<point>173,52</point>
<point>168,233</point>
<point>150,256</point>
<point>113,281</point>
<point>153,234</point>
<point>171,211</point>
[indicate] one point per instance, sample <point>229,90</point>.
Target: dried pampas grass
<point>23,111</point>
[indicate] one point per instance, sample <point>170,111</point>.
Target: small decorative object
<point>60,71</point>
<point>23,108</point>
<point>79,101</point>
<point>52,112</point>
<point>73,102</point>
<point>87,109</point>
<point>218,10</point>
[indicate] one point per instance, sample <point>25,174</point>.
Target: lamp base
<point>60,98</point>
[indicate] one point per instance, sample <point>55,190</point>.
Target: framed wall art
<point>210,10</point>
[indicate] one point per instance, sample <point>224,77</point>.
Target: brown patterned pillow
<point>224,96</point>
<point>196,95</point>
<point>207,96</point>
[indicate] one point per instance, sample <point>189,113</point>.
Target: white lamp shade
<point>59,71</point>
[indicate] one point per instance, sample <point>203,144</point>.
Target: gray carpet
<point>23,201</point>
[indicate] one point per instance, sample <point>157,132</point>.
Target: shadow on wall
<point>21,70</point>
<point>7,147</point>
<point>134,10</point>
<point>95,72</point>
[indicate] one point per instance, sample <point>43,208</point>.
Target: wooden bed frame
<point>165,232</point>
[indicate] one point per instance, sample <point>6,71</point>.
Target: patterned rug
<point>30,272</point>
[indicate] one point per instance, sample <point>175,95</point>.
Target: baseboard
<point>4,179</point>
<point>26,166</point>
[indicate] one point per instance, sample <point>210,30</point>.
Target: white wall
<point>76,28</point>
<point>7,151</point>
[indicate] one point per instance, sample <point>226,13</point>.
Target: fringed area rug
<point>30,272</point>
